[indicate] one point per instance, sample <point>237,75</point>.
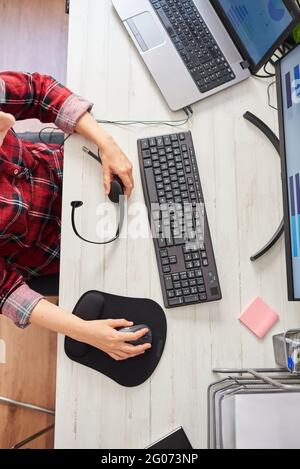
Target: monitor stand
<point>276,144</point>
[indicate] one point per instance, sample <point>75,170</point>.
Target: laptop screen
<point>289,121</point>
<point>259,24</point>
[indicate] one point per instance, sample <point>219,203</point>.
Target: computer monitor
<point>258,27</point>
<point>288,89</point>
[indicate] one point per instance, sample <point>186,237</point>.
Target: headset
<point>116,196</point>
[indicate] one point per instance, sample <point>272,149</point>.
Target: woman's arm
<point>31,95</point>
<point>113,159</point>
<point>100,334</point>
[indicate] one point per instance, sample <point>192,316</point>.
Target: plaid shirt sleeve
<point>37,96</point>
<point>17,300</point>
<point>19,305</point>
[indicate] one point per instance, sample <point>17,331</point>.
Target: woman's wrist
<point>88,127</point>
<point>76,329</point>
<point>52,317</point>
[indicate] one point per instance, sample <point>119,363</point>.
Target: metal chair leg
<point>33,437</point>
<point>35,408</point>
<point>26,406</point>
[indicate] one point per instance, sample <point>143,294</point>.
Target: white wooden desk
<point>240,175</point>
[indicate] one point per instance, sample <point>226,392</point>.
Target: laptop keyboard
<point>174,199</point>
<point>194,43</point>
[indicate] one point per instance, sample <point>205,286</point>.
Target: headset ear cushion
<point>116,190</point>
<point>76,204</point>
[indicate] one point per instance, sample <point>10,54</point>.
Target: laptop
<point>196,48</point>
<point>288,90</point>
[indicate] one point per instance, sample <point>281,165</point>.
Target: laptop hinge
<point>245,64</point>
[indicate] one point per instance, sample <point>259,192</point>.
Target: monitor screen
<point>290,144</point>
<point>258,24</point>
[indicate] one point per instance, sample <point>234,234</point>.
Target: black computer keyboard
<point>175,204</point>
<point>194,42</point>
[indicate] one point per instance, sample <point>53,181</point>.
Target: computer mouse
<point>146,339</point>
<point>116,190</point>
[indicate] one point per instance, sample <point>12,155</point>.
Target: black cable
<point>270,74</point>
<point>269,96</point>
<point>262,76</point>
<point>53,130</point>
<point>76,204</point>
<point>267,73</point>
<point>282,50</point>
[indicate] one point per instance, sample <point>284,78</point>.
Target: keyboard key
<point>161,243</point>
<point>173,260</point>
<point>166,269</point>
<point>168,282</point>
<point>145,144</point>
<point>179,241</point>
<point>191,299</point>
<point>171,294</point>
<point>176,277</point>
<point>166,23</point>
<point>151,185</point>
<point>146,154</point>
<point>147,163</point>
<point>176,301</point>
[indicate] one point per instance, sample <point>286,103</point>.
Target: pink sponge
<point>259,317</point>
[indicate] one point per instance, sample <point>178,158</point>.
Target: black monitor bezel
<point>285,190</point>
<point>254,68</point>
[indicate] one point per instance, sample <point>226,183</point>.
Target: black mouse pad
<point>95,305</point>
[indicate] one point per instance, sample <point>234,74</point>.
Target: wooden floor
<point>33,38</point>
<point>27,376</point>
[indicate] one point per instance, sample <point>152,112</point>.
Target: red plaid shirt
<point>31,182</point>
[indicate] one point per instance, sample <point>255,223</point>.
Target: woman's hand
<point>114,161</point>
<point>6,122</point>
<point>100,334</point>
<point>104,336</point>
